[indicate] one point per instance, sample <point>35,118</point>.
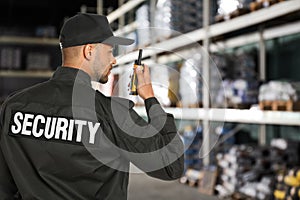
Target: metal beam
<point>268,34</point>
<point>126,29</point>
<point>28,40</point>
<point>253,18</point>
<point>240,22</point>
<point>245,116</point>
<point>123,9</point>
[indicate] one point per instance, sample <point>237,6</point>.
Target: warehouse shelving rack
<point>205,34</point>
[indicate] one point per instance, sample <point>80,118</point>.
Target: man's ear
<point>87,51</point>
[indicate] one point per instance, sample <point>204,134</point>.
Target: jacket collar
<point>70,74</point>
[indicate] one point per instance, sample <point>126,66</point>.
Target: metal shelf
<point>28,40</point>
<point>254,18</point>
<point>26,74</point>
<point>244,21</point>
<point>270,33</point>
<point>123,9</point>
<point>233,115</point>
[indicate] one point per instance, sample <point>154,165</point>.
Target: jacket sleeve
<point>8,189</point>
<point>154,146</point>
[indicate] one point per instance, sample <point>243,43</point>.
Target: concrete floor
<point>143,187</point>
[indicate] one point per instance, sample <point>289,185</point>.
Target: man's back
<point>45,147</point>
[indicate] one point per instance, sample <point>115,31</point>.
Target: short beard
<point>99,77</point>
<point>103,79</point>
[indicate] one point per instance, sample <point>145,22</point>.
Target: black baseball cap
<point>85,28</point>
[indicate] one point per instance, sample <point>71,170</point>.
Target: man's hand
<point>144,86</point>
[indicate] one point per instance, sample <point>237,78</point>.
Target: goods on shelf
<point>221,63</point>
<point>287,184</point>
<point>192,177</point>
<point>143,26</point>
<point>46,31</point>
<point>192,139</point>
<point>238,93</point>
<point>276,94</point>
<point>10,58</point>
<point>251,170</point>
<point>175,17</point>
<point>232,134</point>
<point>233,80</point>
<point>160,77</point>
<point>173,92</point>
<point>218,72</point>
<point>240,86</point>
<point>190,84</point>
<point>38,61</point>
<point>258,190</point>
<point>228,9</point>
<point>167,17</point>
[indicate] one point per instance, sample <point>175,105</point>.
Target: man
<point>63,140</point>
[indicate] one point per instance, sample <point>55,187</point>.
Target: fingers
<point>147,75</point>
<point>140,75</point>
<point>145,72</point>
<point>144,85</point>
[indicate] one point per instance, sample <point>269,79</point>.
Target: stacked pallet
<point>277,95</point>
<point>263,4</point>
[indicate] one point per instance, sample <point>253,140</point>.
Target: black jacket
<point>61,139</point>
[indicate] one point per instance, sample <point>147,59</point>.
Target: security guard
<point>61,139</point>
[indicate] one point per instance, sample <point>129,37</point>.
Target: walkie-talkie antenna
<point>139,60</point>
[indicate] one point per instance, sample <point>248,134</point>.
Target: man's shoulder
<point>18,98</point>
<point>22,94</point>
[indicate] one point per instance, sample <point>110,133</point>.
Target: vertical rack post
<point>262,135</point>
<point>122,18</point>
<point>206,82</point>
<point>262,55</point>
<point>121,24</point>
<point>100,7</point>
<point>152,31</point>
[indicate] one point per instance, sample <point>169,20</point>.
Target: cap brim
<point>114,40</point>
